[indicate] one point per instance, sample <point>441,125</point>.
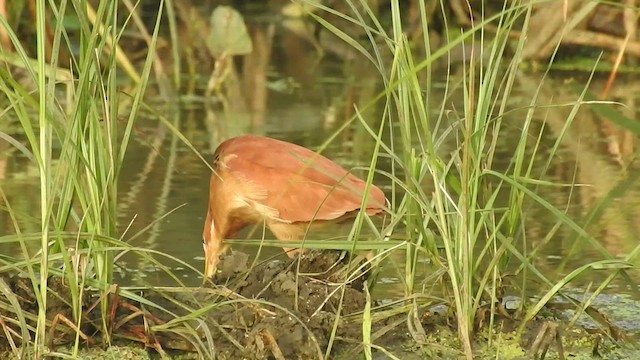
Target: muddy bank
<point>288,309</point>
<point>306,296</point>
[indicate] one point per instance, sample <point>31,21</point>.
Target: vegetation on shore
<point>461,210</point>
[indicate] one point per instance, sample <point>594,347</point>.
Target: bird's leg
<point>292,252</point>
<point>288,232</point>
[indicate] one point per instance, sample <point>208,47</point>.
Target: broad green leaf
<point>228,33</point>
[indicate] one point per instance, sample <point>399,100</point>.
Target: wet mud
<point>286,309</point>
<point>305,308</point>
<point>311,296</point>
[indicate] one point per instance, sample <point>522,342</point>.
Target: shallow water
<point>305,99</point>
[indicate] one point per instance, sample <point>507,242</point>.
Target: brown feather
<point>287,186</point>
<point>297,183</point>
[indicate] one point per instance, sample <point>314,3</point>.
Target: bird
<point>259,179</point>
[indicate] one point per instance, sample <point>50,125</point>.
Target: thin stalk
<point>45,173</point>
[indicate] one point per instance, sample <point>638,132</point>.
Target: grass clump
<point>77,131</point>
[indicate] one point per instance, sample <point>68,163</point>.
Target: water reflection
<point>606,200</point>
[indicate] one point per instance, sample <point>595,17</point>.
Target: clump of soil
<point>308,293</point>
<point>19,298</point>
<point>287,309</point>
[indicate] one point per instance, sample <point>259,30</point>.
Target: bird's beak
<point>212,246</point>
<point>207,270</point>
<point>211,259</point>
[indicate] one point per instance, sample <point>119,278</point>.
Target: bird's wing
<point>295,184</point>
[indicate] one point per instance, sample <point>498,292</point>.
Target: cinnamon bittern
<point>286,186</point>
